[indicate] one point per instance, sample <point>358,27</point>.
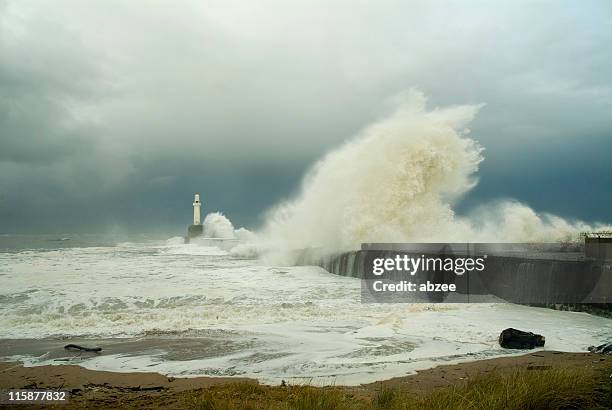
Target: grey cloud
<point>129,107</point>
<point>41,77</point>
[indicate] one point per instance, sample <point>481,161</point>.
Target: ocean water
<point>194,309</point>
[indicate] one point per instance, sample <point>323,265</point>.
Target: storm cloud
<point>112,113</point>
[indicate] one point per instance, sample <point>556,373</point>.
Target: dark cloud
<point>35,121</point>
<point>114,113</point>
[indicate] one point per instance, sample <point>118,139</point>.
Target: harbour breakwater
<point>577,277</point>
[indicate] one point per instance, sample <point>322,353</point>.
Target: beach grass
<point>245,396</point>
<point>516,389</point>
<point>520,389</point>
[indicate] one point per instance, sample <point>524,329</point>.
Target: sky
<point>113,113</point>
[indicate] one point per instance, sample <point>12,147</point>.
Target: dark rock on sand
<point>517,339</point>
<point>605,348</point>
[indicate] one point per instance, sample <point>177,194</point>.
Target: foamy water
<point>235,316</point>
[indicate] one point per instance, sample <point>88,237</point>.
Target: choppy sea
<point>193,309</point>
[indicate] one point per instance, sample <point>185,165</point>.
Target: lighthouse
<point>196,209</point>
<point>196,229</point>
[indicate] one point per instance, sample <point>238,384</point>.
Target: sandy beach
<point>102,389</point>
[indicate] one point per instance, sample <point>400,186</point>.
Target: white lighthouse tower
<point>196,229</point>
<point>196,210</point>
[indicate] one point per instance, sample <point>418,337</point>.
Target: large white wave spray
<point>218,226</point>
<point>397,181</point>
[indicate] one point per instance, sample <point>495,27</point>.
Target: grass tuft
<point>311,398</point>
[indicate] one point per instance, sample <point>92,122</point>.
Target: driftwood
<point>82,348</point>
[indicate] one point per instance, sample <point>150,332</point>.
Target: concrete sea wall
<point>582,283</point>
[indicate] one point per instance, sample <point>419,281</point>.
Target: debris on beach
<point>605,348</point>
<point>82,348</point>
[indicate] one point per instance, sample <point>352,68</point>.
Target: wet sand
<point>151,390</point>
<point>168,347</point>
